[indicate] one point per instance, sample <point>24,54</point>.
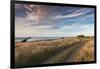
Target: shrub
<point>80,36</point>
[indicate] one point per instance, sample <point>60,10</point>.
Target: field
<point>64,50</point>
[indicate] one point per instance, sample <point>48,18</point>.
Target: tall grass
<point>86,53</point>
<point>33,53</point>
<point>38,52</point>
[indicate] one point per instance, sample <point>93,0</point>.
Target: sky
<point>53,21</point>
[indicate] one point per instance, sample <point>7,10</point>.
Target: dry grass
<point>37,52</point>
<point>86,53</point>
<point>31,53</point>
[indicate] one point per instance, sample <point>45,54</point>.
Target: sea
<point>19,39</point>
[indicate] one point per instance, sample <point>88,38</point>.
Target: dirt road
<point>66,55</point>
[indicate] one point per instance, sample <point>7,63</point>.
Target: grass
<point>38,52</point>
<point>86,53</point>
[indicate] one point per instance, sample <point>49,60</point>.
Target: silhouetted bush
<point>80,36</point>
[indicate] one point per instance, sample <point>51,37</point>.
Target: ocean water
<point>18,39</point>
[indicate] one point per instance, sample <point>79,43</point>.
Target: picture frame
<point>12,34</point>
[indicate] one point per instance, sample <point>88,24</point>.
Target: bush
<point>80,36</point>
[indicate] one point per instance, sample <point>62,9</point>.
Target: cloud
<point>50,21</point>
<point>73,14</point>
<point>46,27</point>
<point>41,14</point>
<point>26,31</point>
<point>17,6</point>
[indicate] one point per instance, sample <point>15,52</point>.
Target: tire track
<point>66,55</point>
